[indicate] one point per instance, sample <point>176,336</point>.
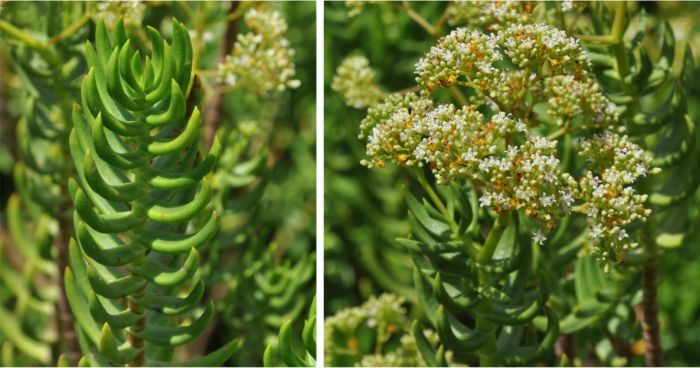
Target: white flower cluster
<point>533,46</point>
<point>383,312</point>
<point>354,80</point>
<point>461,142</point>
<point>207,37</point>
<point>390,132</point>
<point>614,164</point>
<point>496,15</point>
<point>111,11</point>
<point>261,60</point>
<point>490,15</point>
<point>551,68</point>
<point>406,355</point>
<point>570,99</point>
<point>509,88</point>
<point>517,169</point>
<point>462,53</point>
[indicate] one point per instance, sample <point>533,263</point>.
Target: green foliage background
<point>269,235</point>
<point>365,210</point>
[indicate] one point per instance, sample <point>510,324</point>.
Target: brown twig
<point>215,106</point>
<point>66,321</point>
<point>565,345</point>
<point>650,313</point>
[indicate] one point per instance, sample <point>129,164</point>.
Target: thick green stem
<point>30,42</point>
<point>21,35</point>
<point>483,325</point>
<point>133,300</point>
<point>499,227</point>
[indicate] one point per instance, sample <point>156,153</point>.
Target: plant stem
<point>653,356</point>
<point>418,18</point>
<point>70,30</point>
<point>560,132</point>
<point>650,309</point>
<point>21,35</point>
<point>134,340</point>
<point>459,96</point>
<point>66,322</point>
<point>215,106</point>
<point>499,227</point>
<point>483,325</point>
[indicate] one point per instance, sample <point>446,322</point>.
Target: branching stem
<point>71,30</point>
<point>418,18</point>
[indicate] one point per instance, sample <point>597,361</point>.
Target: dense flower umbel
<point>462,53</point>
<point>612,204</point>
<point>386,316</point>
<point>354,80</point>
<point>456,143</point>
<point>491,15</point>
<point>547,67</point>
<point>261,60</point>
<point>536,46</point>
<point>569,98</point>
<point>517,169</point>
<point>130,11</point>
<point>388,128</point>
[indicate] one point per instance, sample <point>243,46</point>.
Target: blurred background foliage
<point>365,211</point>
<point>259,269</point>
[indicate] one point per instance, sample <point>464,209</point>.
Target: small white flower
<point>595,233</point>
<point>546,200</point>
<point>538,238</point>
<point>566,198</point>
<point>485,199</point>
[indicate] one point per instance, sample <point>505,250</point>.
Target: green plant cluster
<point>163,194</point>
<point>492,295</point>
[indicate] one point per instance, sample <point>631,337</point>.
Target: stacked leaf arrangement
<point>118,197</point>
<point>547,179</point>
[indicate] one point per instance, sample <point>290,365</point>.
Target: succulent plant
<point>142,203</point>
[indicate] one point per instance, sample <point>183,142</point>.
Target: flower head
<point>111,11</point>
<point>614,164</point>
<point>354,80</point>
<point>261,60</point>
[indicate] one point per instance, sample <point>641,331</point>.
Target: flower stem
<point>21,35</point>
<point>418,18</point>
<point>499,227</point>
<point>70,30</point>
